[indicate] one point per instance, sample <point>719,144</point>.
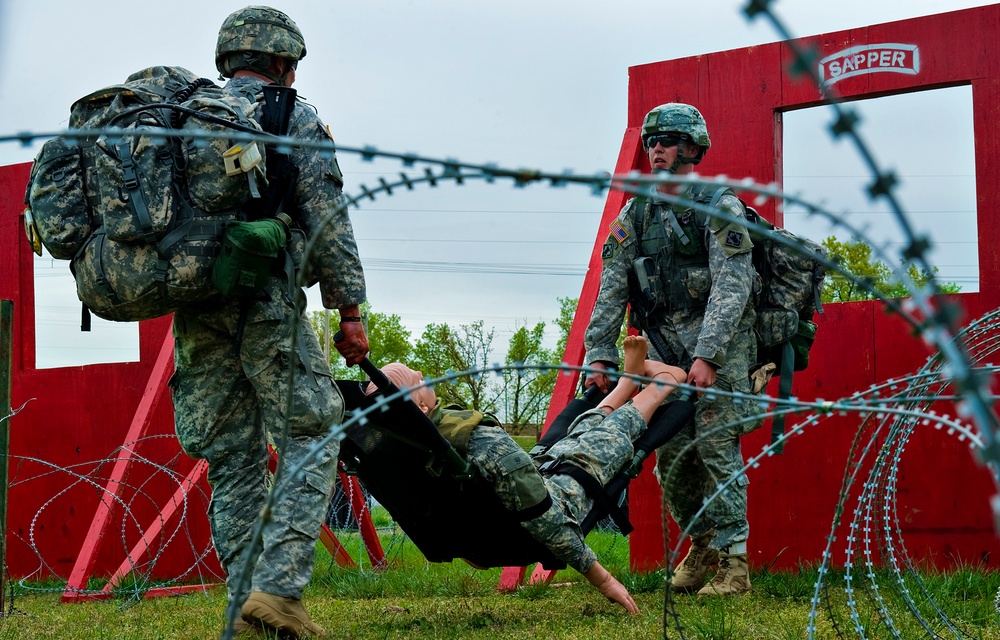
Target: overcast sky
<point>521,84</point>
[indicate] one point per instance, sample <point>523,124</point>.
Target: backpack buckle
<point>549,467</point>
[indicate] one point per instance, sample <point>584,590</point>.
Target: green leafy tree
<point>856,258</point>
<point>441,350</point>
<point>567,312</point>
<point>388,340</point>
<point>527,389</point>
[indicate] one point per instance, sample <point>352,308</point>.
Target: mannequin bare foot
<point>636,349</point>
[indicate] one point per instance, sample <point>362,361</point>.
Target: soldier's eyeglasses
<point>665,140</point>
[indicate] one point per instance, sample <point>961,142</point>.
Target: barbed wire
<point>635,184</point>
<point>909,411</point>
<point>887,424</point>
<point>952,357</point>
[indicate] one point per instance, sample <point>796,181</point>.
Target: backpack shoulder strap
<point>637,209</point>
<point>712,200</point>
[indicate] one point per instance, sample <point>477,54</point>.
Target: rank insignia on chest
<point>618,232</point>
<point>734,239</point>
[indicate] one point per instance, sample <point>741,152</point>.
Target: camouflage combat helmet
<point>251,36</point>
<point>677,117</point>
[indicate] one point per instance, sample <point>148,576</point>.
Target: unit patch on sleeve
<point>618,232</point>
<point>607,250</point>
<point>734,239</point>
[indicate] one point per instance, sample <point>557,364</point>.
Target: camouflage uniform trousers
<point>598,444</point>
<point>226,405</point>
<point>715,458</point>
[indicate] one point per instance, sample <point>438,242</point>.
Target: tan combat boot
<point>285,616</point>
<point>243,629</point>
<point>690,574</point>
<point>732,579</point>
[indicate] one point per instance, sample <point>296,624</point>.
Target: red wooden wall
<point>944,495</point>
<point>80,415</point>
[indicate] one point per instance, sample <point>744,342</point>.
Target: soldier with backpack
<point>696,278</point>
<point>233,357</point>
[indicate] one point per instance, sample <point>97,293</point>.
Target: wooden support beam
<point>6,376</point>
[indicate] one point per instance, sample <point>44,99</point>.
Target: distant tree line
<point>520,394</point>
<point>856,258</point>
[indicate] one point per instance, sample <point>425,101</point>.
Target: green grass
<point>415,599</point>
<point>525,442</point>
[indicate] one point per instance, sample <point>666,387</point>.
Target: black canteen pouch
<point>248,256</point>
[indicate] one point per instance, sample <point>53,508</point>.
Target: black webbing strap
<point>136,199</point>
<point>593,488</point>
<point>784,393</point>
<point>533,512</point>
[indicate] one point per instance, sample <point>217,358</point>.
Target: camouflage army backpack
<point>791,269</point>
<point>137,204</point>
<point>791,275</point>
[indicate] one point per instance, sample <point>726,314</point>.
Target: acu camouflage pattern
<point>720,332</point>
<point>117,205</point>
<point>598,444</point>
<point>261,29</point>
<point>676,117</point>
<point>601,445</point>
<point>792,273</point>
<point>688,479</point>
<point>227,406</point>
<point>727,281</point>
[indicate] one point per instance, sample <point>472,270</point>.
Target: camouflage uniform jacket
<point>334,262</point>
<point>700,331</point>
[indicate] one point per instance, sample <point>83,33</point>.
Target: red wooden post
<point>155,390</point>
<point>363,515</point>
<point>149,535</point>
<point>336,549</point>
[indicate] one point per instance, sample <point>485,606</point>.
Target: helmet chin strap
<point>682,159</point>
<point>260,64</point>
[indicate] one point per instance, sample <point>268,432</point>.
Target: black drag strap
<point>593,488</point>
<point>666,422</point>
<point>533,512</point>
<point>784,393</point>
